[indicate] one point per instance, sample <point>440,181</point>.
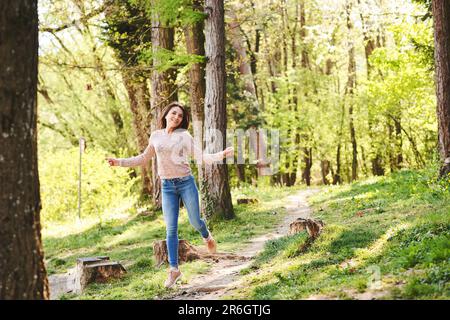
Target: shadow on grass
<point>349,240</point>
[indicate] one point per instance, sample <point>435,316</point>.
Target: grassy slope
<point>384,237</point>
<point>129,240</point>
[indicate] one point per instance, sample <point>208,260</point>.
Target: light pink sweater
<point>172,152</point>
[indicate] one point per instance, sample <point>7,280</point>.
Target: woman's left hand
<point>228,152</point>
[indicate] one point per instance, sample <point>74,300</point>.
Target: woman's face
<point>174,117</point>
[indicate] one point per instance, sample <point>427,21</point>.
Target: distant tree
<point>441,14</point>
<point>128,32</point>
<point>22,270</point>
<point>195,45</point>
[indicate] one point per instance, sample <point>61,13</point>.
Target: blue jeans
<point>172,191</point>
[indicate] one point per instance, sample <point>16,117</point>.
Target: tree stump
<point>95,269</point>
<point>186,252</point>
<point>313,227</point>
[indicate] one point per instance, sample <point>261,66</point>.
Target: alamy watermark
<point>374,281</point>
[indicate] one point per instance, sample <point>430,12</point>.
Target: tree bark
<point>22,270</point>
<point>138,94</point>
<point>195,44</point>
<point>337,179</point>
<point>163,88</point>
<point>351,83</point>
<point>441,14</point>
<point>398,143</point>
<point>256,143</point>
<point>137,33</point>
<point>216,191</point>
<point>307,158</point>
<point>325,170</point>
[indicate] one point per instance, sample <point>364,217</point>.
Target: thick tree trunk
<point>441,15</point>
<point>117,15</point>
<point>195,44</point>
<point>138,94</point>
<point>163,89</point>
<point>216,193</point>
<point>22,270</point>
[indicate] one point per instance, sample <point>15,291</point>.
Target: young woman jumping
<point>172,144</point>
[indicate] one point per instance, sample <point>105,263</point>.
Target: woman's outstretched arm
<point>139,160</point>
<point>208,158</point>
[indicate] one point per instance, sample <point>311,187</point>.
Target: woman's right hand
<point>112,161</point>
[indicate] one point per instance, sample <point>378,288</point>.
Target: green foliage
<point>104,189</point>
<point>172,12</point>
<point>170,59</point>
<point>127,30</point>
<point>401,93</point>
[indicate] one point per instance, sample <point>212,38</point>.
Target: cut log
<point>186,252</point>
<point>95,269</point>
<point>313,227</point>
<point>247,200</point>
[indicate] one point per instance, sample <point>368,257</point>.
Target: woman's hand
<point>112,161</point>
<point>228,152</point>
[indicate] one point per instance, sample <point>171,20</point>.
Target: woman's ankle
<point>208,238</point>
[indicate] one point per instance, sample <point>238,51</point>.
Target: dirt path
<point>224,275</point>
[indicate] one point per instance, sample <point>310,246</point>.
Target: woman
<point>172,145</point>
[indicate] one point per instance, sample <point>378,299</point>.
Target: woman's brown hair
<point>184,123</point>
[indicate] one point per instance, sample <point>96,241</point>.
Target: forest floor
<point>224,275</point>
<point>383,238</point>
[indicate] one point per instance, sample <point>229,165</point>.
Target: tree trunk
<point>398,143</point>
<point>22,270</point>
<point>138,95</point>
<point>216,193</point>
<point>369,42</point>
<point>117,15</point>
<point>163,88</point>
<point>337,179</point>
<point>377,166</point>
<point>307,158</point>
<point>351,83</point>
<point>256,143</point>
<point>240,172</point>
<point>441,15</point>
<point>325,170</point>
<point>195,44</point>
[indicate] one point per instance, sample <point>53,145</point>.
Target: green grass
<point>129,240</point>
<point>387,236</point>
<point>393,229</point>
